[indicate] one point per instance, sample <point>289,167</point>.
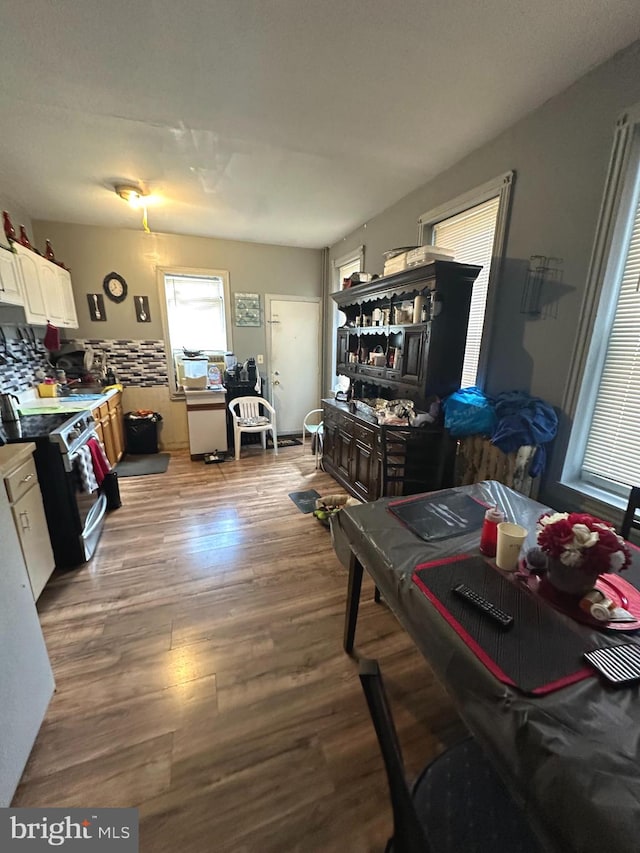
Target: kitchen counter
<point>71,403</point>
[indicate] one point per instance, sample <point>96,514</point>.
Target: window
<point>343,267</point>
<point>604,451</point>
<point>195,314</point>
<point>473,226</point>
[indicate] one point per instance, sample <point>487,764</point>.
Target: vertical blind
<point>613,445</point>
<point>470,235</point>
<point>195,312</point>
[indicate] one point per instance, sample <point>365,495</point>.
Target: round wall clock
<point>115,287</point>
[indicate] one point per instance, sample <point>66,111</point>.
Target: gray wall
<point>92,252</point>
<point>560,154</point>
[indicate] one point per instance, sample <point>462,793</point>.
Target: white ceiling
<point>278,121</point>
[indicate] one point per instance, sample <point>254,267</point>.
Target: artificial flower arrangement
<point>583,541</point>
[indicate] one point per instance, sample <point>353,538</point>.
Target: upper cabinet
<point>46,290</point>
<point>10,292</point>
<point>404,335</point>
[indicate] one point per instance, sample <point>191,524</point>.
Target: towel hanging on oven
<point>83,466</point>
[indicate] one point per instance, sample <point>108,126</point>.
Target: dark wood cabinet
<point>353,454</point>
<point>386,355</point>
<point>393,357</point>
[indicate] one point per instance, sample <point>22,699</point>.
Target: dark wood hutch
<point>387,355</point>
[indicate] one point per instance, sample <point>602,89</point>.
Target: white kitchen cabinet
<point>35,310</point>
<point>70,315</point>
<point>10,292</point>
<point>25,671</point>
<point>47,291</point>
<point>31,524</point>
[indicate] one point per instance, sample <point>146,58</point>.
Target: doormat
<point>305,501</point>
<point>147,463</point>
<point>284,442</point>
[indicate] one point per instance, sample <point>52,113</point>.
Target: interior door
<point>294,359</point>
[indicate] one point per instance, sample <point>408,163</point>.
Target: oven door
<point>91,507</point>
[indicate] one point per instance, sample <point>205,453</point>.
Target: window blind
<point>195,312</point>
<point>470,235</point>
<point>613,445</point>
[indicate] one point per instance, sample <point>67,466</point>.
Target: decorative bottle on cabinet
<point>48,251</point>
<point>24,240</point>
<point>9,230</point>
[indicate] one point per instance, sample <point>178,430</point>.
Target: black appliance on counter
<point>74,517</point>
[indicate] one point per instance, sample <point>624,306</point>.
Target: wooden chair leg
<point>353,602</point>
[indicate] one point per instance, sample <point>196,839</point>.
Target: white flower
<point>583,537</point>
<point>551,519</point>
<point>616,561</point>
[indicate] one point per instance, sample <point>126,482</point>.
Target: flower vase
<point>570,579</point>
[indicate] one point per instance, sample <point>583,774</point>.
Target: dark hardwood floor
<point>200,672</point>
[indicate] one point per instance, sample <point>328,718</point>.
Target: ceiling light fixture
<point>132,195</point>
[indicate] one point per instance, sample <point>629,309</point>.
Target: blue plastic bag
<point>469,412</point>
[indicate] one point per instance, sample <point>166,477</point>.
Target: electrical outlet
<point>259,359</point>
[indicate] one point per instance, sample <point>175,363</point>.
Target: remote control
<point>505,620</point>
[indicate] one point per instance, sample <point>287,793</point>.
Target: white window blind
<point>470,235</point>
<point>613,445</point>
<point>195,312</point>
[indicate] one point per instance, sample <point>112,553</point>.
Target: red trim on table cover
<point>480,653</point>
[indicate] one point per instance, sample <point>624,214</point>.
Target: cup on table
<point>510,541</point>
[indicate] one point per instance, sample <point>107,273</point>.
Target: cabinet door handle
<point>27,478</point>
<point>24,520</point>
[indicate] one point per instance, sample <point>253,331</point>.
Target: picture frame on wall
<point>247,309</point>
<point>141,303</point>
<point>97,311</point>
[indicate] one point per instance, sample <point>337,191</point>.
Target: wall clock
<point>115,287</point>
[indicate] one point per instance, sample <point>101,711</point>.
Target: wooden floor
<point>201,678</point>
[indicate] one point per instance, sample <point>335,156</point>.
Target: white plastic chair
<point>247,418</point>
<point>311,424</point>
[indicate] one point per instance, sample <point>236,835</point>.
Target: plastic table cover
<point>571,758</point>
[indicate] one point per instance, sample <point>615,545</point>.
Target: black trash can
<point>141,432</point>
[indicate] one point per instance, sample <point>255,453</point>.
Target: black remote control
<point>505,620</point>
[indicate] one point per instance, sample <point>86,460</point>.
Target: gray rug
<point>138,465</point>
<point>305,501</point>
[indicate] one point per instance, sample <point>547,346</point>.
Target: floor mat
<point>148,463</point>
<point>284,442</point>
<point>305,501</point>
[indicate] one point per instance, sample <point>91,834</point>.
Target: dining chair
<point>629,517</point>
<point>247,417</point>
<point>311,424</point>
<point>413,460</point>
<point>457,803</point>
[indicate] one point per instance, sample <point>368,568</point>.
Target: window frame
<point>599,306</point>
<point>501,187</point>
<point>174,392</point>
<point>356,255</point>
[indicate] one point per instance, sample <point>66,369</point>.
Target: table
<point>572,757</point>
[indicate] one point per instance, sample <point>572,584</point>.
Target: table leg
<point>353,602</point>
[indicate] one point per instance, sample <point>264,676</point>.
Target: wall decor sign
<point>143,314</point>
<point>247,309</point>
<point>97,311</point>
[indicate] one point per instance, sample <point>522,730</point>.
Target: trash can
<point>141,432</point>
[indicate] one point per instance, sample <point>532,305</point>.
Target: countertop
<point>72,403</point>
<point>12,455</point>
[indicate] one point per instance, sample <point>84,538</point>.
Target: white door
<point>293,341</point>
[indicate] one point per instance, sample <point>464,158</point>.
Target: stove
<point>74,516</point>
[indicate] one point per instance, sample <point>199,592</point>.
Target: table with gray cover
<point>571,757</point>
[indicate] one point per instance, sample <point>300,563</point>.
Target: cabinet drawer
<point>376,372</point>
<point>21,480</point>
<point>364,434</point>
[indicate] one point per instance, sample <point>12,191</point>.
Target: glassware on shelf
<point>48,251</point>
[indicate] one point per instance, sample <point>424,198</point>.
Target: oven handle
<point>98,510</point>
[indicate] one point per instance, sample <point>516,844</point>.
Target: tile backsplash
<point>136,362</point>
